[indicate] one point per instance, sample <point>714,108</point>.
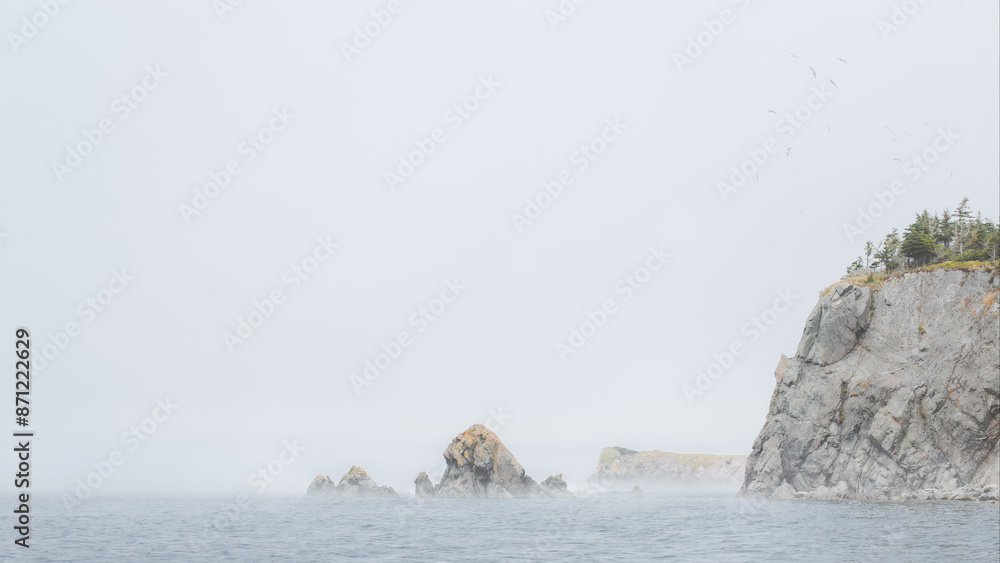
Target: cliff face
<point>621,467</point>
<point>893,393</point>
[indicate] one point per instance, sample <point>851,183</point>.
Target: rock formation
<point>423,485</point>
<point>355,483</point>
<point>555,486</point>
<point>622,468</point>
<point>893,393</point>
<point>478,465</point>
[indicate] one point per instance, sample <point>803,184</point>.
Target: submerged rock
<point>479,465</point>
<point>355,483</point>
<point>893,393</point>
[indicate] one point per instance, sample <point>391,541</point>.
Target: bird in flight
<point>897,159</point>
<point>841,60</point>
<point>812,70</point>
<point>772,111</point>
<point>792,54</point>
<point>788,152</point>
<point>834,83</point>
<point>887,129</point>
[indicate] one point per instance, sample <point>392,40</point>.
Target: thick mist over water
<point>251,170</point>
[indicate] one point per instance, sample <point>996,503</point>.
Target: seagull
<point>834,83</point>
<point>792,54</point>
<point>887,129</point>
<point>758,178</point>
<point>800,211</point>
<point>788,152</point>
<point>768,240</point>
<point>812,70</point>
<point>772,111</point>
<point>897,159</point>
<point>827,128</point>
<point>841,60</point>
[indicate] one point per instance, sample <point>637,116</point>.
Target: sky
<point>457,186</point>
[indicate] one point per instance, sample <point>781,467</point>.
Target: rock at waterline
<point>893,393</point>
<point>355,483</point>
<point>480,466</point>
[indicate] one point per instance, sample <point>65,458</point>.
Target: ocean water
<point>677,527</point>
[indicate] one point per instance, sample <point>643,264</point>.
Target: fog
<point>614,121</point>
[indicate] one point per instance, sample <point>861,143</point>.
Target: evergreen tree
<point>992,240</point>
<point>961,230</point>
<point>886,256</point>
<point>933,239</point>
<point>943,234</point>
<point>855,266</point>
<point>918,244</point>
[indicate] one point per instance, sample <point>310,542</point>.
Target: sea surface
<point>676,527</point>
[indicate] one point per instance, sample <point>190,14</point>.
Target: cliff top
<point>876,280</point>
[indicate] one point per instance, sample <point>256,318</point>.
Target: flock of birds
<point>788,151</point>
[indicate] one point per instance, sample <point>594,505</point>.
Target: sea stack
<point>480,466</point>
<point>355,483</point>
<point>893,393</point>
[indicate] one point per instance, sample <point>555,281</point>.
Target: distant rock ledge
<point>355,483</point>
<point>623,468</point>
<point>480,466</point>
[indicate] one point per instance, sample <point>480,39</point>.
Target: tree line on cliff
<point>957,236</point>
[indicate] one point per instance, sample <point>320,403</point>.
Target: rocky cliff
<point>355,483</point>
<point>479,465</point>
<point>893,393</point>
<point>621,467</point>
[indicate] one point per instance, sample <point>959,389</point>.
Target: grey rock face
<point>892,394</point>
<point>621,467</point>
<point>478,465</point>
<point>835,324</point>
<point>424,486</point>
<point>555,486</point>
<point>355,483</point>
<point>321,485</point>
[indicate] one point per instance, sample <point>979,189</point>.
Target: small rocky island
<point>623,468</point>
<point>355,483</point>
<point>893,393</point>
<point>480,466</point>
